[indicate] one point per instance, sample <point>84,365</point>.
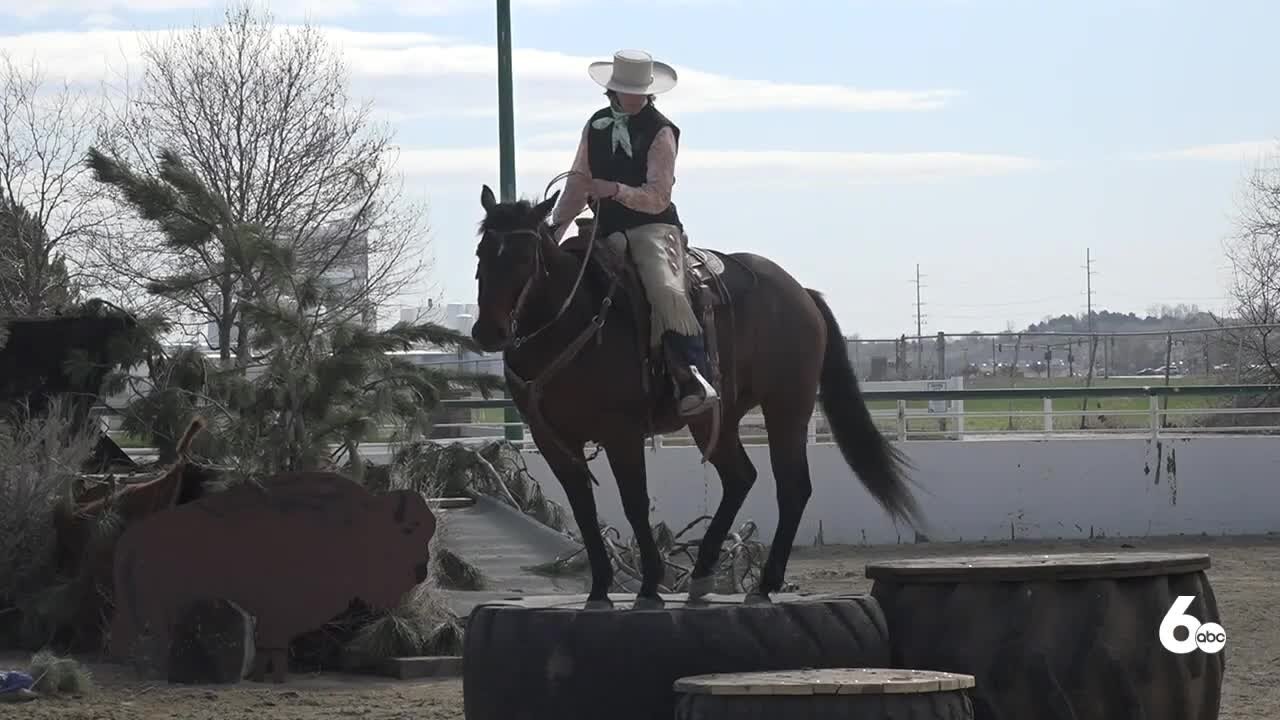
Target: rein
<point>517,340</point>
<point>534,386</point>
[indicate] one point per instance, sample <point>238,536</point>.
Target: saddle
<point>705,290</point>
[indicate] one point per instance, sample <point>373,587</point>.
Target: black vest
<point>608,164</point>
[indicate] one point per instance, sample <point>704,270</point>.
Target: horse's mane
<point>506,216</point>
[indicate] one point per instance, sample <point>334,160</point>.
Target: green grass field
<point>1102,411</point>
<point>998,415</point>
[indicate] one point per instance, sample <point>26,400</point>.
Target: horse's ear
<point>541,210</point>
<point>487,200</point>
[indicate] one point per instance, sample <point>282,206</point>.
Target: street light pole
<point>506,106</point>
<point>514,432</point>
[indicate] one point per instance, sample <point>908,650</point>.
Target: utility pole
<point>919,326</point>
<point>506,106</point>
<point>1093,338</point>
<point>1088,287</point>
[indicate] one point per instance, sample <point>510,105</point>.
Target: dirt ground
<point>1245,577</point>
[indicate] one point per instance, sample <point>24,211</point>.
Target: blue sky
<point>990,142</point>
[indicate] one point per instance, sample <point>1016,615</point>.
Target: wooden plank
<point>835,681</point>
<point>414,668</point>
<point>450,503</point>
<point>1027,567</point>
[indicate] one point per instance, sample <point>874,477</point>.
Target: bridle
<point>514,340</point>
<point>532,387</point>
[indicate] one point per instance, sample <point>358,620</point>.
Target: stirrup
<point>694,405</point>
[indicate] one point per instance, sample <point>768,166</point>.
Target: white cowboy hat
<point>634,72</point>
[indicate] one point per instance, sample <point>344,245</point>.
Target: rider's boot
<point>696,394</point>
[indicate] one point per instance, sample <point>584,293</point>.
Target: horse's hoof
<point>757,598</point>
<point>648,603</point>
<point>698,587</point>
<point>605,604</point>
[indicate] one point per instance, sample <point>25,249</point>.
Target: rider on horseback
<point>628,151</point>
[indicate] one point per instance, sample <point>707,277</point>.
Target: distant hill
<point>1118,355</point>
<point>1105,321</point>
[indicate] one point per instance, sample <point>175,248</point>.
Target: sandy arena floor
<point>1245,576</point>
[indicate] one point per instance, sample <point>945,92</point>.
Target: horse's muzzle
<point>488,336</point>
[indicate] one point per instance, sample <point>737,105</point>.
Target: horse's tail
<point>879,464</point>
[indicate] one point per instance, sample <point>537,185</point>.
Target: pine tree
<point>34,281</point>
<point>317,379</point>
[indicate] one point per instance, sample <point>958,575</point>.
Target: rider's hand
<point>603,189</point>
<point>556,232</point>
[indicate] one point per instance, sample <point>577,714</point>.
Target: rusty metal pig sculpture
<point>293,552</point>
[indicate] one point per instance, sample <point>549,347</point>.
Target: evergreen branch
<point>151,198</point>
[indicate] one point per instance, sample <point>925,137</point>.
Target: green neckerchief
<point>621,135</point>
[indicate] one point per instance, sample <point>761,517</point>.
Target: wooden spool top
<point>839,681</point>
<point>1025,567</point>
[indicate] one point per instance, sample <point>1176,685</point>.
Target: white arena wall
<point>1052,488</point>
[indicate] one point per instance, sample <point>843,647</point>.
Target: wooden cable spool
<point>816,694</point>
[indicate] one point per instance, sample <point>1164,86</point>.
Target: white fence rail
<point>932,411</point>
<point>1205,409</point>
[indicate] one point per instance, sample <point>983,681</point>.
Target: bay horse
<point>576,375</point>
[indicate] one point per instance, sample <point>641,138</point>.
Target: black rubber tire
<point>522,663</point>
<point>1060,649</point>
<point>953,705</point>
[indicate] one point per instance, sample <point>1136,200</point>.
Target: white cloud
<point>32,9</point>
<point>409,74</point>
<point>100,20</point>
<point>831,166</point>
<point>566,139</point>
<point>1248,150</point>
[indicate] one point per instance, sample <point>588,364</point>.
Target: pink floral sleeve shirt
<point>652,197</point>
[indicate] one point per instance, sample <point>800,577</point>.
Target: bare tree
<point>49,204</point>
<point>261,115</point>
<point>1254,254</point>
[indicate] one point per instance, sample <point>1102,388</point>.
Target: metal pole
<point>507,159</point>
<point>506,109</point>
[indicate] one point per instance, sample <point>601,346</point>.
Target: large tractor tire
<point>525,660</point>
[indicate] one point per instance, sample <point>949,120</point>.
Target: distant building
<point>347,274</point>
<point>459,317</point>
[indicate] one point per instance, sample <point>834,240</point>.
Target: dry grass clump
<point>452,572</point>
<point>421,625</point>
<point>40,460</point>
<point>55,675</point>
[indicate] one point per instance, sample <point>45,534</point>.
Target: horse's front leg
<point>626,459</point>
<point>569,466</point>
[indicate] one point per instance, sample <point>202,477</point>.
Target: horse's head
<point>509,258</point>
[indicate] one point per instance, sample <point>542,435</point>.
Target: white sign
<point>1209,637</point>
<point>937,406</point>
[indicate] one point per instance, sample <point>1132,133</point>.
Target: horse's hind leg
<point>737,475</point>
<point>787,423</point>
